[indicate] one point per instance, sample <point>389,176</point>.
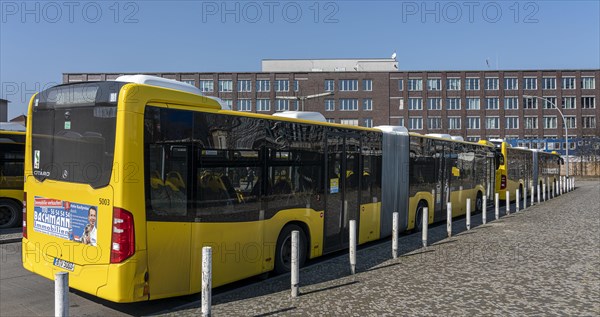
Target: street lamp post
<point>564,122</point>
<point>302,98</point>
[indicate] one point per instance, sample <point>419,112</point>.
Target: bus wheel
<point>283,253</point>
<point>419,216</point>
<point>479,202</point>
<point>10,213</point>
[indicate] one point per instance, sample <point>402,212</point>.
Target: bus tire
<point>11,213</point>
<point>479,202</point>
<point>419,216</point>
<point>283,252</point>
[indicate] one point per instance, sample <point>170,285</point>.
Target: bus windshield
<point>73,134</point>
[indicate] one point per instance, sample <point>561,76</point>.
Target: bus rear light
<point>25,215</point>
<point>123,236</point>
<point>503,182</point>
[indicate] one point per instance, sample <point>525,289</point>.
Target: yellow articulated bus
<point>12,154</point>
<point>126,181</point>
<point>522,167</point>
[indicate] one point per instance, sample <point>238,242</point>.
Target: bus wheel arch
<point>11,213</point>
<point>283,247</point>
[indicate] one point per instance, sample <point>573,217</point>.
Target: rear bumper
<point>121,283</point>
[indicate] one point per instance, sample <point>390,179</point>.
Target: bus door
<point>443,165</point>
<point>342,198</point>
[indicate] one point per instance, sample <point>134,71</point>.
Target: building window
<point>569,102</point>
<point>283,105</point>
<point>434,123</point>
<point>454,123</point>
<point>492,103</point>
<point>473,123</point>
<point>491,84</point>
<point>244,105</point>
<point>349,122</point>
<point>530,83</point>
<point>225,85</point>
<point>529,103</point>
<point>244,85</point>
<point>263,105</point>
<point>453,84</point>
<point>434,84</point>
<point>189,82</point>
<point>588,122</point>
<point>588,83</point>
<point>549,102</point>
<point>263,85</point>
<point>415,123</point>
<point>511,103</point>
<point>568,83</point>
<point>400,84</point>
<point>367,84</point>
<point>330,120</point>
<point>207,86</point>
<point>472,84</point>
<point>473,138</point>
<point>453,104</point>
<point>415,104</point>
<point>549,122</point>
<point>329,104</point>
<point>571,122</point>
<point>511,83</point>
<point>368,122</point>
<point>329,85</point>
<point>531,123</point>
<point>512,122</point>
<point>348,85</point>
<point>473,104</point>
<point>282,85</point>
<point>415,84</point>
<point>549,83</point>
<point>588,102</point>
<point>228,103</point>
<point>296,85</point>
<point>367,104</point>
<point>349,104</point>
<point>434,104</point>
<point>492,123</point>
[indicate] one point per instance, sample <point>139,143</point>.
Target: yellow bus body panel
<point>370,221</point>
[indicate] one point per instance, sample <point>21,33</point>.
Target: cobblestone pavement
<point>543,261</point>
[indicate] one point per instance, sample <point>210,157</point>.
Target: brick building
<point>477,105</point>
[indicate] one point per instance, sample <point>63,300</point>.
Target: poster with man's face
<point>66,220</point>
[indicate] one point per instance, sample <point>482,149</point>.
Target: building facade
<point>511,104</point>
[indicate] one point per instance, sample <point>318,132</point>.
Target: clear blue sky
<point>40,40</point>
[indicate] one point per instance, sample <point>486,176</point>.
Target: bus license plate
<point>69,266</point>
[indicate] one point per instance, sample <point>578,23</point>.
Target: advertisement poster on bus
<point>66,220</point>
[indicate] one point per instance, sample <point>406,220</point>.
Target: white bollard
<point>61,294</point>
<point>468,213</point>
<point>449,219</point>
<point>532,194</point>
<point>517,200</point>
<point>539,193</point>
<point>295,269</point>
<point>524,197</point>
<point>353,247</point>
<point>507,202</point>
<point>206,281</point>
<point>425,225</point>
<point>497,206</point>
<point>484,210</point>
<point>544,192</point>
<point>395,219</point>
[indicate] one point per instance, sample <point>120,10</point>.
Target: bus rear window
<point>73,133</point>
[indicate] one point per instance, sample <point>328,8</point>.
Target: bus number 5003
<point>104,201</point>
